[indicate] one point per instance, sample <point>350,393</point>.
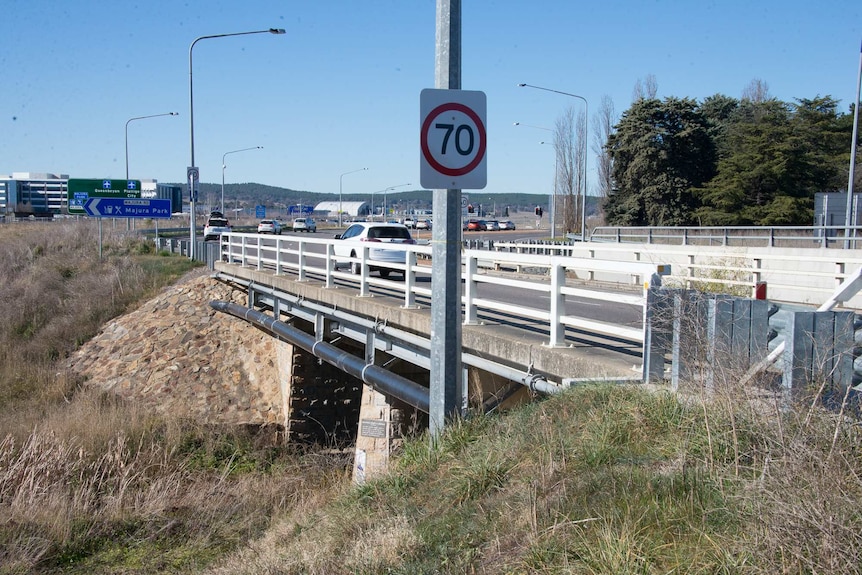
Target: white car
<point>423,224</point>
<point>215,227</point>
<point>304,225</point>
<point>352,241</point>
<point>269,227</point>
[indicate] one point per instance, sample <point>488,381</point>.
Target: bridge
<point>537,318</point>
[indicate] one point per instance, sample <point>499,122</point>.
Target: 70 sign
<point>453,139</point>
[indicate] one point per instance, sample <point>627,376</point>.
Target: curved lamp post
<point>223,166</point>
<point>552,200</point>
<point>586,134</point>
<point>192,170</point>
<point>384,190</point>
<point>127,133</point>
<point>341,187</point>
<point>554,197</point>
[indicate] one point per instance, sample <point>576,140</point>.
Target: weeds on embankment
<point>599,480</point>
<point>92,484</point>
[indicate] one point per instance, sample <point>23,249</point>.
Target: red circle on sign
<point>426,151</point>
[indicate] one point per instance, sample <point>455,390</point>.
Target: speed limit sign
<point>453,139</point>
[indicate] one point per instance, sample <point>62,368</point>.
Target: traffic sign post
<point>453,139</point>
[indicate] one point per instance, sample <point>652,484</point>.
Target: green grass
<point>599,480</point>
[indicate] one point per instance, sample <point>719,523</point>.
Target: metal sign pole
<point>447,389</point>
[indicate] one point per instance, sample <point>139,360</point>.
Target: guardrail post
<point>687,334</point>
<point>557,309</point>
<point>819,351</point>
<point>654,339</point>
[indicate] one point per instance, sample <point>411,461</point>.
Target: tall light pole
<point>223,166</point>
<point>341,188</point>
<point>192,172</point>
<point>127,133</point>
<point>552,200</point>
<point>554,195</point>
<point>584,168</point>
<point>384,196</point>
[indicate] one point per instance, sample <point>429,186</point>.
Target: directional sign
<point>78,191</point>
<point>127,208</point>
<point>453,139</point>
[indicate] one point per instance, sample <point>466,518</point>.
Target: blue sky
<point>340,90</point>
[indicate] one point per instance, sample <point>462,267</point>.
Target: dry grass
<point>89,483</point>
<point>600,480</point>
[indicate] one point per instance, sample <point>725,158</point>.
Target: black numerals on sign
<point>459,131</point>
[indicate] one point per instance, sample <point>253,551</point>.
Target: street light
<point>384,190</point>
<point>552,201</point>
<point>192,172</point>
<point>340,189</point>
<point>586,132</point>
<point>223,166</point>
<point>127,133</point>
<point>531,126</point>
<point>554,195</point>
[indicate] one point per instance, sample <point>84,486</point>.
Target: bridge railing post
<point>302,260</point>
<point>244,251</point>
<point>329,262</point>
<point>259,243</point>
<point>557,308</point>
<point>409,279</point>
<point>471,267</point>
<point>364,290</point>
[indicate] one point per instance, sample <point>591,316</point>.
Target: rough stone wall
<point>176,354</point>
<point>323,402</point>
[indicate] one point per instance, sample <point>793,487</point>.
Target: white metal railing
<point>776,236</point>
<point>788,274</point>
<point>312,257</point>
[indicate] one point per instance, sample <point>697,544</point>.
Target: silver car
<point>351,244</point>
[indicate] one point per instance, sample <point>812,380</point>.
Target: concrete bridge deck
<point>519,345</point>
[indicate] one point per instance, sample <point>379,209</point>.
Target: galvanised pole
<point>192,167</point>
<point>224,165</point>
<point>584,155</point>
<point>850,221</point>
<point>447,390</point>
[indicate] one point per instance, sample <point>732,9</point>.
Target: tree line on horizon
<point>753,161</point>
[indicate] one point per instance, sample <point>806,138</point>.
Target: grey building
<point>27,194</point>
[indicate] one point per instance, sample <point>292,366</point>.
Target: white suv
<point>215,227</point>
<point>351,245</point>
<point>304,225</point>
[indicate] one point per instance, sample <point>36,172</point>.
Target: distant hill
<point>251,194</point>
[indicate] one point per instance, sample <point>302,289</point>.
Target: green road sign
<point>79,191</point>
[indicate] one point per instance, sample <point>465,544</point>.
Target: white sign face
<point>453,140</point>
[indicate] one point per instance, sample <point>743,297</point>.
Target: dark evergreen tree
<point>660,151</point>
